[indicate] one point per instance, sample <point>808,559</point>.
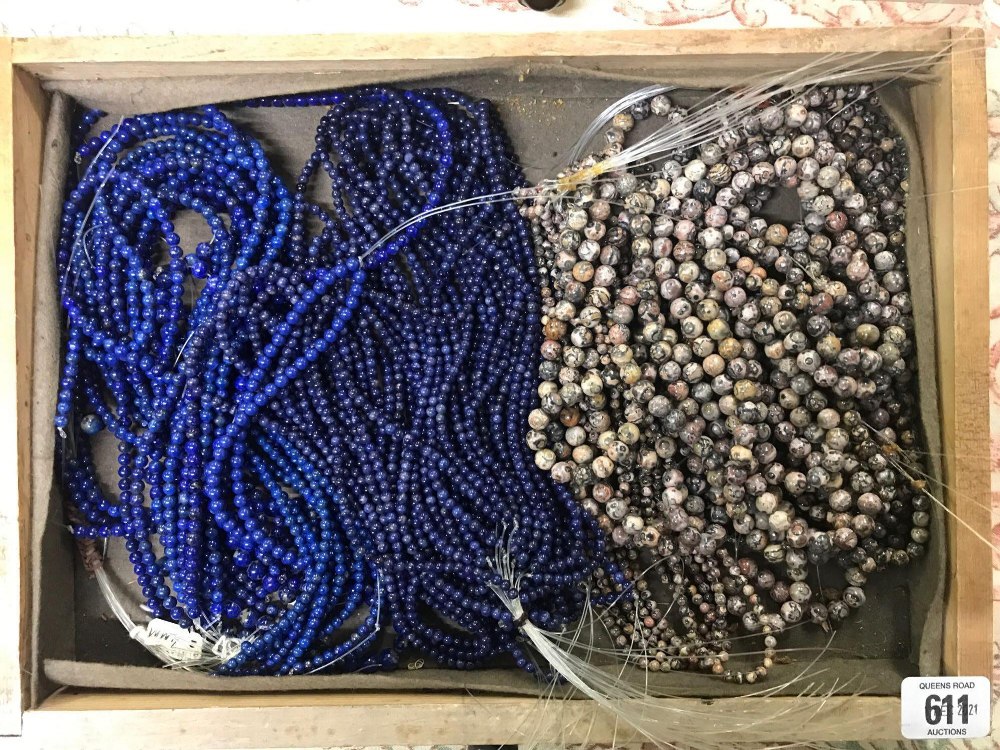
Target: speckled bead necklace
<point>729,395</point>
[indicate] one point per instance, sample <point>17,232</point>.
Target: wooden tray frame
<point>951,119</point>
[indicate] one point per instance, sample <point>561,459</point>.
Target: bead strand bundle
<point>433,456</point>
<point>727,394</point>
<point>317,441</point>
<point>152,367</point>
<point>320,412</point>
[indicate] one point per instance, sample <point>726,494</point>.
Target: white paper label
<point>945,707</point>
<point>173,641</point>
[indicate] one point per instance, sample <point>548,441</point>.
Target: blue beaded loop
<point>315,440</point>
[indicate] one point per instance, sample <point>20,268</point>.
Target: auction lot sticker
<point>945,707</point>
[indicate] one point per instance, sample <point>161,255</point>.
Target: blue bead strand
<point>311,433</point>
<point>148,365</point>
<point>436,379</point>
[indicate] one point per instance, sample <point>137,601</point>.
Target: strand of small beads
<point>436,379</point>
<point>177,394</point>
<point>325,434</point>
<point>723,392</point>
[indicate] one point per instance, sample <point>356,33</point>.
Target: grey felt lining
<point>53,553</point>
<point>78,643</point>
<point>534,77</point>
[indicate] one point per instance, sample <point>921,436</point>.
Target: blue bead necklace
<point>464,307</point>
<point>252,555</point>
<point>328,434</point>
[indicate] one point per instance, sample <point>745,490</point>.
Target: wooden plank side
<point>22,118</point>
<point>951,122</point>
<point>969,595</point>
<point>143,720</point>
<point>10,637</point>
<point>30,114</point>
<point>123,57</point>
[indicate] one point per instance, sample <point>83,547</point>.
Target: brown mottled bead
<point>554,329</point>
<point>570,417</point>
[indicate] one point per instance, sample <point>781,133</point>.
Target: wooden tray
<point>951,120</point>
